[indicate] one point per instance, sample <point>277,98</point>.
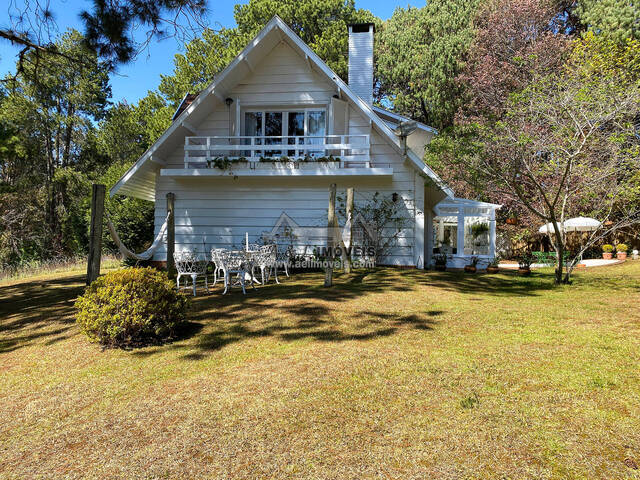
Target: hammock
<point>146,255</point>
<point>346,232</point>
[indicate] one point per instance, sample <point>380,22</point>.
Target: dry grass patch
<point>390,374</point>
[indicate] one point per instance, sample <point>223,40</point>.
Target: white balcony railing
<point>349,150</point>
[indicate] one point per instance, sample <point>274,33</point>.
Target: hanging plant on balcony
<point>298,160</point>
<point>225,163</point>
<point>222,163</point>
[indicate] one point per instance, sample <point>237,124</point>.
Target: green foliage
<point>225,163</point>
<point>130,307</point>
<point>204,57</point>
<point>420,53</point>
<point>322,24</point>
<point>122,137</point>
<point>525,260</point>
<point>622,247</point>
<point>478,229</point>
<point>615,19</point>
<point>382,219</point>
<point>72,188</point>
<point>440,259</point>
<point>153,114</point>
<point>48,151</point>
<point>110,26</point>
<point>607,248</point>
<point>132,218</point>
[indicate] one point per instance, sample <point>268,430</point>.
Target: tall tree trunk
<point>66,153</point>
<point>559,251</point>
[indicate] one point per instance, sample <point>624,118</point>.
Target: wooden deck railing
<point>349,150</point>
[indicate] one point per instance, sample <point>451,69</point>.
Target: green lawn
<point>390,374</point>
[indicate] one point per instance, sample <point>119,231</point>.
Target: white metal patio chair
<point>217,269</point>
<point>283,257</point>
<point>190,264</point>
<point>236,263</point>
<point>265,260</point>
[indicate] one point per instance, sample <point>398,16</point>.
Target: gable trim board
<point>401,118</point>
<point>139,181</point>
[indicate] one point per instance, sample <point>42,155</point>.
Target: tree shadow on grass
<point>300,307</point>
<point>37,310</point>
<point>505,284</point>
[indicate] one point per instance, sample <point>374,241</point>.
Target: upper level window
<point>287,128</point>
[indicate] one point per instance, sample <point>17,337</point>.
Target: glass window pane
<point>317,123</point>
<point>253,124</point>
<point>295,129</point>
<point>316,126</point>
<point>445,235</point>
<point>476,236</point>
<point>273,128</point>
<point>252,128</point>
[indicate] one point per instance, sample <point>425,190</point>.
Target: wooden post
<point>347,254</point>
<point>171,235</point>
<point>95,234</point>
<point>328,273</point>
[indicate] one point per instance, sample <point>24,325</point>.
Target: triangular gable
<point>142,174</point>
<point>284,218</point>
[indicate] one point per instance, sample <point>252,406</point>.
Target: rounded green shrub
<point>607,248</point>
<point>622,247</point>
<point>131,306</point>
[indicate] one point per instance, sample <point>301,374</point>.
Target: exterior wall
<point>283,78</point>
<point>217,212</point>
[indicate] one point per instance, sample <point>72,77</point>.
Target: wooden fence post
<point>331,217</point>
<point>171,235</point>
<point>347,254</point>
<point>95,233</point>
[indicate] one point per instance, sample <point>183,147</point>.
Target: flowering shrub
<point>622,247</point>
<point>606,248</point>
<point>130,306</point>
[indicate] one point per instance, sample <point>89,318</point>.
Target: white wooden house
<point>278,99</point>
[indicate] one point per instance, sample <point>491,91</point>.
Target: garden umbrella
<point>581,224</point>
<point>578,224</point>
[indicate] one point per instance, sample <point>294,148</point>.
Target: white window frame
<point>285,117</point>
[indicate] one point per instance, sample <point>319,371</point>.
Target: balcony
<point>350,151</point>
<point>263,156</point>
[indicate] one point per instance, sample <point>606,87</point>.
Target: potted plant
<point>621,251</point>
<point>479,229</point>
<point>524,264</point>
<point>440,260</point>
<point>607,251</point>
<point>471,268</point>
<point>493,266</point>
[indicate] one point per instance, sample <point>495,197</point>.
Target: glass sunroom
<point>463,229</point>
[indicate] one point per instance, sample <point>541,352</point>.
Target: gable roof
<point>139,180</point>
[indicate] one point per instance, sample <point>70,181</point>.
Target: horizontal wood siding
<point>218,211</point>
<point>281,78</point>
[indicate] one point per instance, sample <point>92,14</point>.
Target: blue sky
<point>132,81</point>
